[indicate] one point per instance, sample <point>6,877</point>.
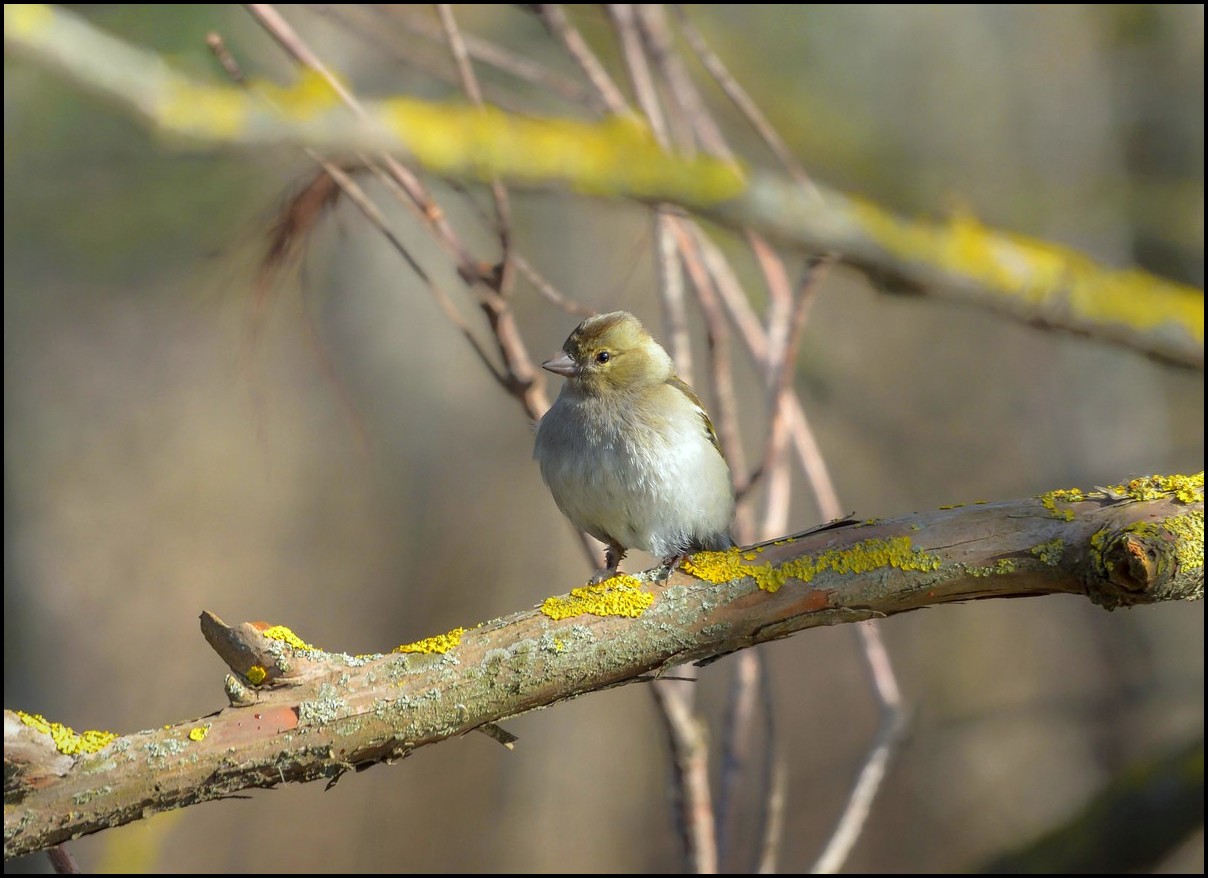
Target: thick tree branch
<point>1029,279</point>
<point>318,715</point>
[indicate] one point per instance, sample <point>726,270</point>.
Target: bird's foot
<point>601,575</point>
<point>612,560</point>
<point>672,562</point>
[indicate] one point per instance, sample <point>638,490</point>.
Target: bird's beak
<point>561,365</point>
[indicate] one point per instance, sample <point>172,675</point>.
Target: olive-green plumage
<point>627,449</point>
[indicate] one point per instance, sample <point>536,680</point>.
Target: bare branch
<point>781,367</point>
<point>743,101</point>
<point>876,762</point>
<point>690,756</point>
<point>561,29</point>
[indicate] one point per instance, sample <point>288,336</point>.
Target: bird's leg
<point>612,558</point>
<point>672,562</point>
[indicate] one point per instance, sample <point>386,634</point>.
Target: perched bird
<point>627,449</point>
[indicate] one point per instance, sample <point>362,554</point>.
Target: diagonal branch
<point>320,715</point>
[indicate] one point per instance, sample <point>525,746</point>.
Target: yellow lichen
<point>1188,531</point>
<point>1185,531</point>
<point>1187,489</point>
<point>867,555</point>
<point>1050,500</point>
<point>309,97</point>
<point>440,643</point>
<point>1034,275</point>
<point>198,733</point>
<point>27,17</point>
<point>218,112</point>
<point>256,675</point>
<point>224,112</point>
<point>719,566</point>
<point>619,154</point>
<point>65,738</point>
<point>953,506</point>
<point>285,635</point>
<point>1050,552</point>
<point>619,596</point>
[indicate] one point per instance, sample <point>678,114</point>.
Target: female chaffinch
<point>627,449</point>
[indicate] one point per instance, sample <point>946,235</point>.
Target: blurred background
<point>347,468</point>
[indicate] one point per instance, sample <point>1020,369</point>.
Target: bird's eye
<point>603,357</point>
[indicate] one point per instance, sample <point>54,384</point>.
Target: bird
<point>627,449</point>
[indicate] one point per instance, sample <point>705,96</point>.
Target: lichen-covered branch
<point>298,713</point>
<point>1033,280</point>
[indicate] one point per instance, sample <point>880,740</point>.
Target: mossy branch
<point>298,713</point>
<point>1032,280</point>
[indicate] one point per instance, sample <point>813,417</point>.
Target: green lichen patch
<point>1186,489</point>
<point>1050,552</point>
<point>1188,531</point>
<point>1184,532</point>
<point>998,568</point>
<point>1050,499</point>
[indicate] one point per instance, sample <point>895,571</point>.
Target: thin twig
<point>774,781</point>
<point>542,285</point>
<point>522,373</point>
<point>780,382</point>
<point>780,305</point>
<point>624,20</point>
<point>671,281</point>
<point>774,828</point>
<point>683,94</point>
<point>62,861</point>
<point>496,56</point>
<point>519,376</point>
<point>889,734</point>
<point>737,745</point>
<point>469,83</point>
<point>461,56</point>
<point>721,369</point>
<point>671,294</point>
<point>224,57</point>
<point>561,29</point>
<point>277,27</point>
<point>371,212</point>
<point>689,755</point>
<point>813,464</point>
<point>739,97</point>
<point>754,337</point>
